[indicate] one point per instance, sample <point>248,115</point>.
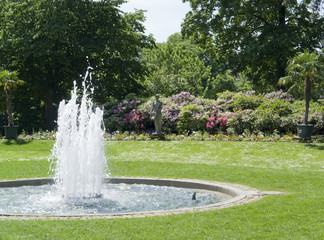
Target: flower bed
<point>194,136</point>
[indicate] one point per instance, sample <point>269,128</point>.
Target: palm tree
<point>302,71</point>
<point>9,81</point>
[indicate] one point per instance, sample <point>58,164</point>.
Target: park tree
<point>255,37</point>
<point>52,43</point>
<point>304,71</point>
<point>176,65</point>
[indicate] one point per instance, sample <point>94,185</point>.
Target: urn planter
<point>304,131</point>
<point>11,132</point>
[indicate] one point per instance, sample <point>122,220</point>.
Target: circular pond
<point>119,197</point>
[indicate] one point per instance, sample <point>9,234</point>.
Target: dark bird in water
<point>194,196</point>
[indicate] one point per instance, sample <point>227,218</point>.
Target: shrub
<point>241,120</point>
<point>279,95</point>
<point>217,121</point>
<point>124,116</point>
<point>270,114</point>
<point>248,100</point>
<point>225,101</point>
<point>266,120</point>
<point>174,105</point>
<point>229,101</point>
<point>183,98</point>
<point>192,118</point>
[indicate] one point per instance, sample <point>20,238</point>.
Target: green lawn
<point>295,168</point>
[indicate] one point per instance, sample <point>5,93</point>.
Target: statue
<point>156,115</point>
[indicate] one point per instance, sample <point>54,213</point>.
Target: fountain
<point>78,148</point>
<point>81,187</point>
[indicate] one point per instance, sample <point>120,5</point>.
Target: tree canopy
<point>253,36</point>
<point>51,43</point>
<point>175,66</point>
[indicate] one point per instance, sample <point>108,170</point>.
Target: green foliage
<point>219,84</point>
<point>9,81</point>
<point>246,101</point>
<point>176,66</point>
<point>273,111</point>
<point>279,106</point>
<point>242,120</point>
<point>227,82</point>
<point>255,37</point>
<point>192,118</point>
<point>303,66</point>
<point>268,117</point>
<point>52,43</point>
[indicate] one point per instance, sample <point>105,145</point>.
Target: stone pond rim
<point>240,195</point>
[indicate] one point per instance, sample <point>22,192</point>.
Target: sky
<point>163,17</point>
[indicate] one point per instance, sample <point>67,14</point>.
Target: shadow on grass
<point>313,145</point>
<point>16,141</point>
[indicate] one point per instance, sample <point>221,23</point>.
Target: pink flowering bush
<point>217,121</point>
<point>124,116</point>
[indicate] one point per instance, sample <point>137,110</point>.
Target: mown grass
<point>295,168</point>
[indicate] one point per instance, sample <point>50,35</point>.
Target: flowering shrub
<point>192,118</point>
<point>225,101</point>
<point>183,98</point>
<point>124,116</point>
<point>242,120</point>
<point>279,95</point>
<point>217,121</point>
<point>268,116</point>
<point>134,121</point>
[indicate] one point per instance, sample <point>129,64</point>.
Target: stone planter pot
<point>11,132</point>
<point>304,131</point>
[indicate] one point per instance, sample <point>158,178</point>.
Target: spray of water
<point>78,150</point>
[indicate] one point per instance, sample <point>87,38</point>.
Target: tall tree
<point>48,42</point>
<point>176,65</point>
<point>256,37</point>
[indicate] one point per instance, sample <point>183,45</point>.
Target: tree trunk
<point>50,110</point>
<point>307,89</point>
<point>281,59</point>
<point>50,114</point>
<point>9,107</point>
